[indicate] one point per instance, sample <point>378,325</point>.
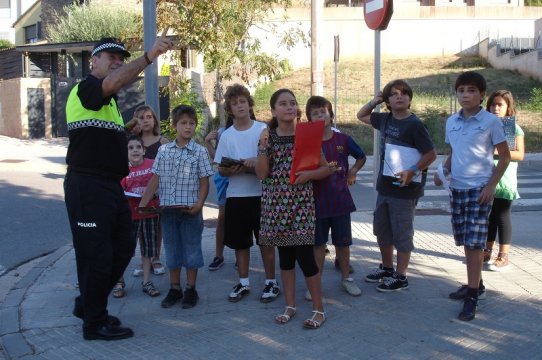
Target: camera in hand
<point>229,162</point>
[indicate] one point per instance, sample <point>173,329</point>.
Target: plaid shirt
<point>179,170</point>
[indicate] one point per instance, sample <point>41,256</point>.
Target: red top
<point>136,182</point>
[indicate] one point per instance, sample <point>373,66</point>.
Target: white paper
<point>131,194</point>
<point>442,177</point>
<point>399,158</point>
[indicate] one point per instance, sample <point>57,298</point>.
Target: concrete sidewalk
<point>418,323</point>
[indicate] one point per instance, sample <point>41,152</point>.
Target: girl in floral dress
<point>288,213</point>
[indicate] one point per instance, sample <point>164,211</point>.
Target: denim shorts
<point>341,230</point>
<point>393,222</point>
<point>182,239</point>
<point>470,220</point>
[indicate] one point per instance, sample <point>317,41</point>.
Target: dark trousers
<point>101,224</point>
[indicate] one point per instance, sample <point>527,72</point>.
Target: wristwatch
<point>262,151</point>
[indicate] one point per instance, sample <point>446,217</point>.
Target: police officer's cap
<point>111,45</point>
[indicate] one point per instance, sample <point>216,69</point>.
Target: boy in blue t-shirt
<point>332,197</point>
<point>473,134</point>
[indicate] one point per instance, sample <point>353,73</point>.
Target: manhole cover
<point>12,161</point>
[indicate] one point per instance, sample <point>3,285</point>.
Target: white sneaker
<point>350,286</point>
<point>138,272</point>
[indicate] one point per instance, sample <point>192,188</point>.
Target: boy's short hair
<point>181,110</point>
<point>471,78</point>
<point>235,91</point>
<point>400,85</point>
<point>317,102</point>
<point>136,138</point>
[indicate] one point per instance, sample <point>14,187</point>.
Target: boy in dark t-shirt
<point>406,152</point>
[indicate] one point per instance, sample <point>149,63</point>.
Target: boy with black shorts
<point>473,134</point>
<point>332,197</point>
<point>243,196</point>
<point>399,185</point>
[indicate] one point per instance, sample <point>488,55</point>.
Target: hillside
<point>432,81</point>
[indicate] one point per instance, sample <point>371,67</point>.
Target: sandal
<point>118,290</point>
<point>289,313</point>
<point>149,289</point>
<point>315,324</point>
<point>157,267</point>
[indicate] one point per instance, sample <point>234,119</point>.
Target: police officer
<point>97,160</point>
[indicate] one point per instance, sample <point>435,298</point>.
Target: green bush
<point>5,44</point>
<point>92,22</point>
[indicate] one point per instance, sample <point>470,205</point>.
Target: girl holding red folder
<point>288,212</point>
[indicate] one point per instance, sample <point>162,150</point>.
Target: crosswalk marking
<point>529,188</point>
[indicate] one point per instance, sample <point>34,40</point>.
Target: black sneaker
<point>394,283</point>
<point>461,293</point>
<point>469,309</point>
<point>216,264</point>
<point>173,296</point>
<point>270,292</point>
<point>379,274</point>
<point>239,291</point>
<point>190,298</point>
<point>338,267</point>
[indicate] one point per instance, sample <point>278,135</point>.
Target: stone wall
<point>14,106</point>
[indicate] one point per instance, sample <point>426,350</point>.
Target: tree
<point>219,30</point>
<point>89,22</point>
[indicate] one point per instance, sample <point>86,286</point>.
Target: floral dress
<point>288,213</point>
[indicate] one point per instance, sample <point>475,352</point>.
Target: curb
<point>12,341</point>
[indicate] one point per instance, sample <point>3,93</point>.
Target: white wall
<point>413,31</point>
<point>18,7</point>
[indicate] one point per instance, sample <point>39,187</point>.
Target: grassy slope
<point>432,81</point>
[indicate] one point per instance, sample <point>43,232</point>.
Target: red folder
<point>307,147</point>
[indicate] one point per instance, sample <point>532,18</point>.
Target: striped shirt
<point>179,170</point>
<point>331,194</point>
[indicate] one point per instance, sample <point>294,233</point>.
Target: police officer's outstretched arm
<point>125,74</point>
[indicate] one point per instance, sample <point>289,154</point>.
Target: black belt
<point>94,172</point>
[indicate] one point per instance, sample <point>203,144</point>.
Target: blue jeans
<point>182,239</point>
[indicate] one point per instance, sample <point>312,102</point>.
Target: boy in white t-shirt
<point>243,196</point>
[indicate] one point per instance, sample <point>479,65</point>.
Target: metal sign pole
<point>151,71</point>
<point>376,133</point>
<point>336,60</point>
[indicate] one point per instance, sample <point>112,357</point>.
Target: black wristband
<point>146,56</point>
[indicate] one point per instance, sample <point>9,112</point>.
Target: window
<point>5,8</point>
<point>32,33</point>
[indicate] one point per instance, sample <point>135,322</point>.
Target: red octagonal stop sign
<point>377,13</point>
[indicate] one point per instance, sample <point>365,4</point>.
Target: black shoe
<point>378,275</point>
<point>190,298</point>
<point>108,332</point>
<point>172,297</point>
<point>394,283</point>
<point>78,312</point>
<point>469,309</point>
<point>338,267</point>
<point>461,293</point>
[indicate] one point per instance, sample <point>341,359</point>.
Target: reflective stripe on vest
<point>77,116</point>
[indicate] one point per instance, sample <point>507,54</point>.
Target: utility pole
<point>317,69</point>
<point>151,71</point>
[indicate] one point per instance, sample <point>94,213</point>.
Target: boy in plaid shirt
<point>181,175</point>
